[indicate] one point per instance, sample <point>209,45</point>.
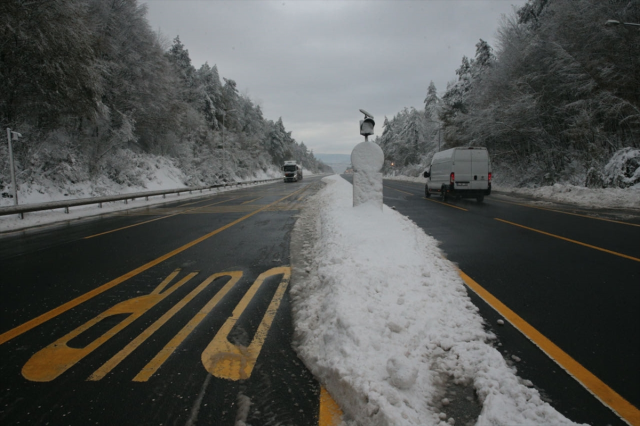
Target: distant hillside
<point>338,162</point>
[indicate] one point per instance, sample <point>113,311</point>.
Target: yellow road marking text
<point>58,357</point>
<point>153,365</point>
<point>117,358</point>
<point>226,360</point>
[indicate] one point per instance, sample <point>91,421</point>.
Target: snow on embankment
<point>385,323</point>
<point>146,172</point>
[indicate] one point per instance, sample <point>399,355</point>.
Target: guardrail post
<point>66,210</point>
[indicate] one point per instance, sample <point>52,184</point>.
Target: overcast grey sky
<point>315,63</point>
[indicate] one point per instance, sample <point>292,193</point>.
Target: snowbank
<point>385,323</point>
<point>581,196</point>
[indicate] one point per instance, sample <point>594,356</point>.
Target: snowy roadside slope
<point>385,323</point>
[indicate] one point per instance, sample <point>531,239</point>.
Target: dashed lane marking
<point>23,328</point>
<point>445,204</point>
<point>570,240</point>
<point>160,218</point>
<point>404,192</point>
<point>251,201</point>
<point>569,213</point>
<point>610,398</point>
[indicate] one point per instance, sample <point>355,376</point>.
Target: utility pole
<point>13,135</point>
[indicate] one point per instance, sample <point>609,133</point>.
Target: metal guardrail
<point>27,208</point>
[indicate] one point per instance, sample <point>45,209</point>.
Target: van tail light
<point>489,178</point>
<point>453,177</point>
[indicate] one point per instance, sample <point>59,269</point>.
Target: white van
<point>459,172</point>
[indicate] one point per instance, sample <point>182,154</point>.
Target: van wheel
<point>443,193</point>
<point>480,198</point>
<point>427,194</point>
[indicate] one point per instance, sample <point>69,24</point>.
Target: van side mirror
<point>427,174</point>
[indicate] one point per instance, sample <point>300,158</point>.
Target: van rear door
<point>462,168</point>
<point>479,169</point>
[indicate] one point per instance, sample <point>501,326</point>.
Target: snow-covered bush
<point>623,169</point>
<point>128,168</point>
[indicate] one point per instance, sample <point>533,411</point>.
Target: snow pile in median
<point>385,323</point>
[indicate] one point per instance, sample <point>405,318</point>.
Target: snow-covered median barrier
<point>385,323</point>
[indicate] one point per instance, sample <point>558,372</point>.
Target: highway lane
<point>572,277</point>
<point>171,315</point>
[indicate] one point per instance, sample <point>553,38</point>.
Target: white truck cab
<point>459,172</point>
<point>292,171</point>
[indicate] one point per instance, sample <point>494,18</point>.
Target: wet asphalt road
<point>585,300</point>
<point>161,362</point>
<point>143,317</point>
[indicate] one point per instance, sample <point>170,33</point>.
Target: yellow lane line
<point>572,214</point>
<point>570,240</point>
<point>404,192</point>
<point>175,342</point>
<point>23,328</point>
<point>330,413</point>
<point>590,382</point>
<point>159,218</point>
<point>251,201</point>
<point>445,204</point>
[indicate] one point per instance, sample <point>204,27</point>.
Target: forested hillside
<point>96,94</point>
<point>554,101</point>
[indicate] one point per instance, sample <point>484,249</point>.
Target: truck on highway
<point>460,173</point>
<point>292,171</point>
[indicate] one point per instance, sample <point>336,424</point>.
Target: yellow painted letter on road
<point>225,360</point>
<point>177,340</point>
<point>58,357</point>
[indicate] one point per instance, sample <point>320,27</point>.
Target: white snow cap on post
<point>367,159</point>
